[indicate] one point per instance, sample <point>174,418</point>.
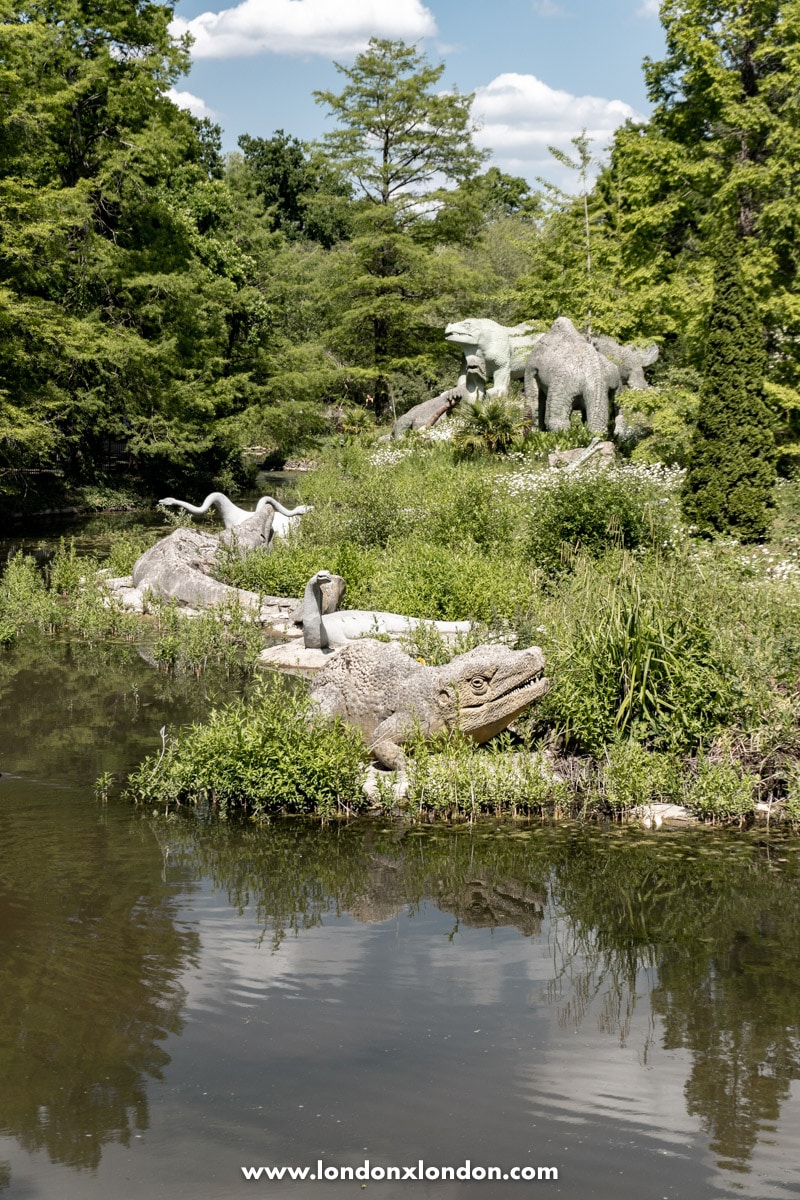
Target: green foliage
<point>671,414</point>
<point>398,131</point>
<point>728,488</point>
<point>303,195</point>
<point>490,425</point>
<point>591,511</point>
<point>721,789</point>
<point>653,656</point>
<point>288,429</point>
<point>459,780</point>
<point>635,776</point>
<point>397,135</point>
<point>126,310</point>
<point>224,635</point>
<point>262,757</point>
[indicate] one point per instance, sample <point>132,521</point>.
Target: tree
<point>729,483</point>
<point>126,311</point>
<point>398,139</point>
<point>397,133</point>
<point>304,196</point>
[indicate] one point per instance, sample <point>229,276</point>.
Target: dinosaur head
<point>484,690</point>
<point>464,333</point>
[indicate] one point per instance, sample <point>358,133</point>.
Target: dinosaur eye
<point>479,684</point>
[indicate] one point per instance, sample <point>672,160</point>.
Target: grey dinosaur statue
<point>502,348</point>
<point>566,372</point>
<point>322,629</point>
<point>422,416</point>
<point>391,697</point>
<point>180,566</point>
<point>630,360</point>
<point>284,521</point>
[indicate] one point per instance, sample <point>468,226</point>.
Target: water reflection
<point>90,960</point>
<point>180,997</point>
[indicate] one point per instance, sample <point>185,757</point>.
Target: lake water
<point>181,998</point>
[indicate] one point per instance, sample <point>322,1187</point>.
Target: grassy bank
<point>674,662</point>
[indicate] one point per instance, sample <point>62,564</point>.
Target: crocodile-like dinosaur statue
<point>390,696</point>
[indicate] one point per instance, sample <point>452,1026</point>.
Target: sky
<point>541,70</point>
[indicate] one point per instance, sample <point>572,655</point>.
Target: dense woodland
<point>162,305</point>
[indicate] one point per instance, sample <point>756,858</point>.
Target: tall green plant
<point>729,485</point>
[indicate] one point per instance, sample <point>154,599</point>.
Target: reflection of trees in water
<point>717,925</point>
<point>293,873</point>
<point>700,921</point>
<point>107,698</point>
<point>89,954</point>
<point>88,983</point>
<point>738,1012</point>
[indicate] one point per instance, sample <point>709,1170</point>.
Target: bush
<point>467,781</point>
<point>260,757</point>
<point>721,789</point>
<point>634,777</point>
<point>593,511</point>
<point>640,655</point>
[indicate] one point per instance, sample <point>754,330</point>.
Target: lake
<point>182,998</point>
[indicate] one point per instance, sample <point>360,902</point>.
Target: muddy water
<point>180,999</point>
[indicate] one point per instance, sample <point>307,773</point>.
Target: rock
<point>294,658</point>
<point>598,453</point>
<point>656,815</point>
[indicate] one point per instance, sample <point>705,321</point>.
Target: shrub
<point>729,484</point>
<point>635,776</point>
<point>490,426</point>
<point>639,655</point>
<point>593,511</point>
<point>457,779</point>
<point>264,756</point>
<point>721,789</point>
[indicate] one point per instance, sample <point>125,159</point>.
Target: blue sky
<point>541,69</point>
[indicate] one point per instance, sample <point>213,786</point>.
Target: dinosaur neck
<point>314,634</point>
<point>276,504</point>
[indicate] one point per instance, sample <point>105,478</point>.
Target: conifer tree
<point>728,487</point>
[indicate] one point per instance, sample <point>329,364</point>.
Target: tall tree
<point>125,307</point>
<point>729,483</point>
<point>397,132</point>
<point>399,139</point>
<point>304,196</point>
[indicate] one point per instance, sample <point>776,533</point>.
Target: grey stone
<point>392,698</point>
<point>631,360</point>
<point>321,630</point>
<point>178,566</point>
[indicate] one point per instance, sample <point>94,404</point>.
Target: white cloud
<point>521,116</point>
<point>196,106</point>
<point>649,8</point>
<point>325,27</point>
<point>548,8</point>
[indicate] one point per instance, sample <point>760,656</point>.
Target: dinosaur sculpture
<point>566,372</point>
<point>630,360</point>
<point>391,697</point>
<point>284,521</point>
<point>502,348</point>
<point>322,629</point>
<point>422,416</point>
